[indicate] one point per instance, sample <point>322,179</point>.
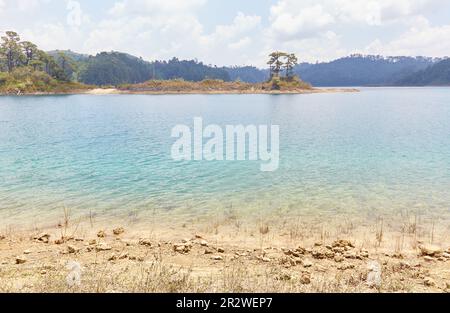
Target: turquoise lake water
<point>380,150</point>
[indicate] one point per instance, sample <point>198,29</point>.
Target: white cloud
<point>423,39</point>
<point>154,7</point>
<point>290,21</point>
<point>155,29</point>
<point>26,5</point>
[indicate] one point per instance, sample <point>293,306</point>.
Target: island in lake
<point>27,70</point>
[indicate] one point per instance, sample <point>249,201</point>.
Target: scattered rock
<point>217,258</point>
<point>221,250</point>
<point>145,242</point>
<point>43,237</point>
<point>291,252</point>
<point>446,255</point>
<point>284,277</point>
<point>318,244</point>
<point>103,247</point>
<point>300,250</point>
<point>430,250</point>
<point>338,250</point>
<point>429,282</point>
<point>2,237</point>
<point>59,241</point>
<point>123,256</point>
<point>429,258</point>
<point>350,255</point>
<point>118,231</point>
<point>182,248</point>
<point>338,258</point>
<point>364,254</point>
<point>197,236</point>
<point>306,263</point>
<point>342,244</point>
<point>208,251</point>
<point>322,253</point>
<point>346,266</point>
<point>265,259</point>
<point>305,278</point>
<point>113,257</point>
<point>101,234</point>
<point>204,243</point>
<point>92,242</point>
<point>21,260</point>
<point>27,252</point>
<point>72,249</point>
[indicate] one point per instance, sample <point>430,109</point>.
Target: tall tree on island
<point>11,51</point>
<point>276,63</point>
<point>30,50</point>
<point>291,62</point>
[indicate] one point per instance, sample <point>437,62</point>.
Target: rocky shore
<point>122,260</point>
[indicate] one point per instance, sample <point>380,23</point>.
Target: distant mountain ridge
<point>361,70</point>
<point>436,75</point>
<point>114,68</point>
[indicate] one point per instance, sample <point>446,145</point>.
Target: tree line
<point>15,53</point>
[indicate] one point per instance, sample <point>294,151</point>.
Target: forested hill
<point>359,70</point>
<point>435,75</point>
<point>114,68</point>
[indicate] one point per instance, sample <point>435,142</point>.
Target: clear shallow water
<point>381,150</point>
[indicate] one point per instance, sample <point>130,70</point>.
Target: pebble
<point>204,243</point>
<point>343,243</point>
<point>72,249</point>
<point>118,231</point>
<point>103,247</point>
<point>305,278</point>
<point>217,258</point>
<point>429,282</point>
<point>430,250</point>
<point>182,248</point>
<point>27,252</point>
<point>20,260</point>
<point>221,250</point>
<point>346,266</point>
<point>43,237</point>
<point>113,257</point>
<point>145,242</point>
<point>101,234</point>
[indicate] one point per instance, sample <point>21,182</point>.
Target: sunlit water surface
<point>380,150</point>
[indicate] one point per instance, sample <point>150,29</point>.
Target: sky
<point>234,32</point>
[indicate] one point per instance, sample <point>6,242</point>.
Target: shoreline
<point>115,91</point>
<point>227,255</point>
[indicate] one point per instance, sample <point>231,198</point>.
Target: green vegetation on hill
<point>27,80</point>
<point>435,75</point>
<point>26,69</point>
